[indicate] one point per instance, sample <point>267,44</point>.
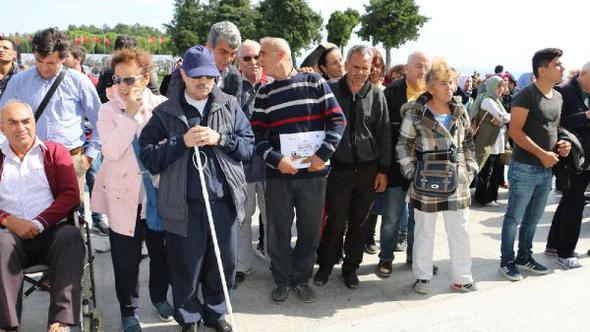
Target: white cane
<point>199,167</point>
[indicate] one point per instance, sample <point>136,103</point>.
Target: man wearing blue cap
<point>199,115</point>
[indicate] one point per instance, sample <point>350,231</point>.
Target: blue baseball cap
<point>199,61</point>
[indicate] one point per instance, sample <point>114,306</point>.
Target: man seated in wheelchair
<point>38,191</point>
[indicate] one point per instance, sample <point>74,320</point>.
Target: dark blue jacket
<point>573,112</point>
<point>255,168</point>
<point>163,152</point>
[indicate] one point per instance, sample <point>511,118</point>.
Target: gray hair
<point>586,67</point>
<point>10,103</point>
<point>226,31</point>
<point>360,49</point>
<point>248,43</point>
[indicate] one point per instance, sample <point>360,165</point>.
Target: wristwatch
<point>222,140</point>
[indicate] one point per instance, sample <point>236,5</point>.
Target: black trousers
<point>567,220</point>
<point>193,266</point>
<point>489,180</point>
<point>62,248</point>
<point>126,256</point>
<point>349,197</point>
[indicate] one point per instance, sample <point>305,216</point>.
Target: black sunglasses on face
<point>127,80</point>
<point>201,76</point>
<point>249,58</point>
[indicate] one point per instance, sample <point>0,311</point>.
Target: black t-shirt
<point>541,123</point>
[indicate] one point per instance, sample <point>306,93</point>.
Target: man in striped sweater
<point>294,105</point>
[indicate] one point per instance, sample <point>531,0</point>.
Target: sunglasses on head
<point>127,80</point>
<point>249,58</point>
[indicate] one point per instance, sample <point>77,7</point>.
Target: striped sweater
<point>302,103</point>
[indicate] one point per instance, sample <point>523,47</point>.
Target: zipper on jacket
<point>353,130</point>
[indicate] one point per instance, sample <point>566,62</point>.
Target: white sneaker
<point>569,263</point>
<point>422,286</point>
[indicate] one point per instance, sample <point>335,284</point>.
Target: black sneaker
<point>279,294</point>
<point>350,280</point>
<point>240,277</point>
<point>321,278</point>
<point>510,271</point>
<point>101,228</point>
<point>305,293</point>
<point>532,266</point>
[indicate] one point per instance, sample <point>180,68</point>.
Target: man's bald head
<point>584,78</point>
<point>278,45</point>
<point>416,68</point>
<point>18,125</point>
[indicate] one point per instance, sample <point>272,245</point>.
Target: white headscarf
<point>461,81</point>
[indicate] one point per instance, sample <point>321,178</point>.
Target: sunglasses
<point>201,76</point>
<point>129,81</point>
<point>249,58</point>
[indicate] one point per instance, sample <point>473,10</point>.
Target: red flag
<point>107,41</point>
<point>16,40</point>
<point>85,39</point>
<point>77,41</point>
<point>151,40</point>
<point>96,39</point>
<point>162,40</point>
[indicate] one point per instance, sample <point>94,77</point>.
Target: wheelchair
<point>37,276</point>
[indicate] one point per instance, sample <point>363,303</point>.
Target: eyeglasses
<point>249,58</point>
<point>129,81</point>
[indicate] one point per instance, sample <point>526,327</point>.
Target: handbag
<point>436,171</point>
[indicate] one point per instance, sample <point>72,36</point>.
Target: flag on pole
<point>107,42</point>
<point>162,40</point>
<point>77,41</point>
<point>152,40</point>
<point>84,40</point>
<point>16,40</point>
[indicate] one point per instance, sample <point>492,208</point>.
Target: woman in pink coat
<point>124,191</point>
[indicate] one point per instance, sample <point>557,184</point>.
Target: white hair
<point>12,102</point>
<point>586,67</point>
<point>248,43</point>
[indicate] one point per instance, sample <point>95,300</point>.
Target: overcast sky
<point>470,34</point>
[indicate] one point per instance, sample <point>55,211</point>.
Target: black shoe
<point>279,294</point>
<point>220,326</point>
<point>240,277</point>
<point>101,228</point>
<point>371,248</point>
<point>321,278</point>
<point>350,280</point>
<point>402,242</point>
<point>306,294</point>
<point>189,327</point>
<point>434,269</point>
<point>384,269</point>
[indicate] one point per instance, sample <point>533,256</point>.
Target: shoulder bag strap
<point>50,93</point>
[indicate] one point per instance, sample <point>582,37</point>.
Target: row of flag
<point>84,40</point>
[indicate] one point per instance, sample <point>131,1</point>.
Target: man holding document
<point>297,124</point>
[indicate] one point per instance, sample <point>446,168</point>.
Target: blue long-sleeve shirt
<point>63,118</point>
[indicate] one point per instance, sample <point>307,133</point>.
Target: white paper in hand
<point>301,145</point>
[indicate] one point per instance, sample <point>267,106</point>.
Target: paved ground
<point>558,301</point>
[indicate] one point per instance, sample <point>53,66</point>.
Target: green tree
<point>189,25</point>
<point>241,13</point>
<point>391,23</point>
<point>340,26</point>
<point>292,20</point>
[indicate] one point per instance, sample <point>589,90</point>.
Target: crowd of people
<point>329,146</point>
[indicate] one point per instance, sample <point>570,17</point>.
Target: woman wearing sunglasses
<point>124,190</point>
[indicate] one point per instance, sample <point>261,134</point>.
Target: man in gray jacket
<point>359,167</point>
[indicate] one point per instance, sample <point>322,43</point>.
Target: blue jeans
<point>529,188</point>
<point>393,206</point>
